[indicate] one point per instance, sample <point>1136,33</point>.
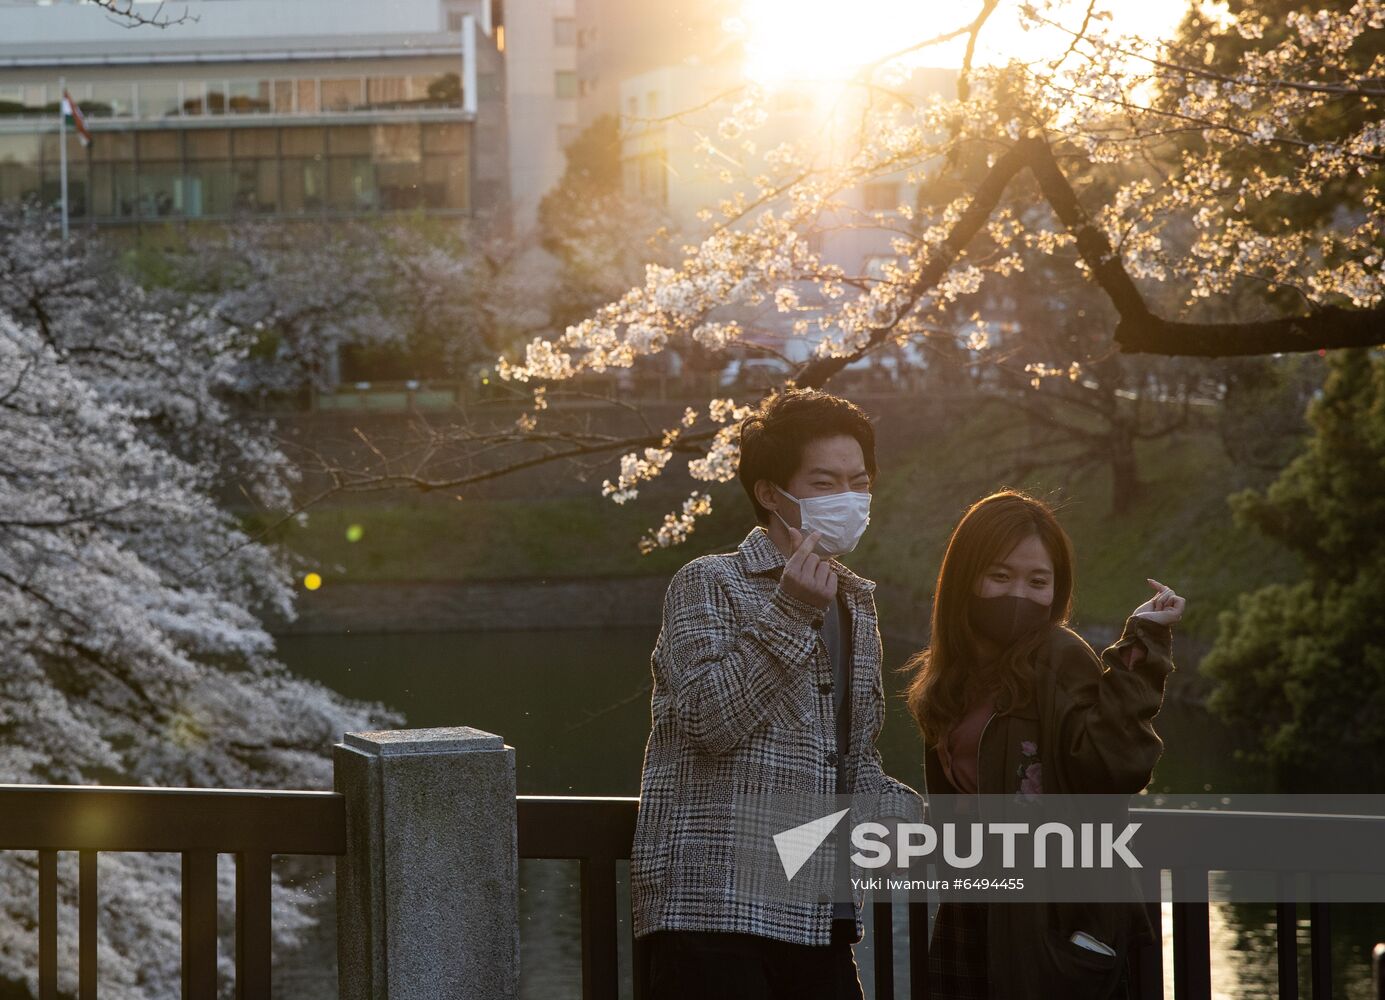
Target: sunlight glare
<point>806,41</point>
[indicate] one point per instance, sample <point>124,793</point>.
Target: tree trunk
<point>1125,474</point>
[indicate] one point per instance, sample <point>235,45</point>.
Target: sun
<point>791,41</point>
<point>803,42</point>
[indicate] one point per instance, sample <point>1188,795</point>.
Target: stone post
<point>427,892</point>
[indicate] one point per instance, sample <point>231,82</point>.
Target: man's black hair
<point>774,436</point>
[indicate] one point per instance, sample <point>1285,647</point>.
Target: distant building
<point>663,111</point>
<point>541,93</point>
<point>289,108</point>
<point>620,39</point>
<point>666,111</point>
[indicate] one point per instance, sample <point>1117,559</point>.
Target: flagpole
<point>62,146</point>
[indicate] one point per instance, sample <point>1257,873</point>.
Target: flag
<point>73,116</point>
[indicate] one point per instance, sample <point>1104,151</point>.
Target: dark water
<point>575,706</point>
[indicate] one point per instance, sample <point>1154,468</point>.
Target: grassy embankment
<point>1179,531</point>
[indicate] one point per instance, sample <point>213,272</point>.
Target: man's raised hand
<point>807,576</point>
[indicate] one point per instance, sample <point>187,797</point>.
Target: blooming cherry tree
<point>130,598</point>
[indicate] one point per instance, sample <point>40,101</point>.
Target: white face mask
<point>840,517</point>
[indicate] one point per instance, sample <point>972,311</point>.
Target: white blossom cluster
<point>130,597</point>
<point>634,469</point>
<point>677,527</point>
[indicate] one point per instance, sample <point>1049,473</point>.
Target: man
<point>766,675</point>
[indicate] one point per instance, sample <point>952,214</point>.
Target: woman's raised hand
<point>1165,607</point>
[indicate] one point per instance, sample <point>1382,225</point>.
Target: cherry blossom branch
<point>983,203</point>
<point>1207,74</point>
<point>1141,332</point>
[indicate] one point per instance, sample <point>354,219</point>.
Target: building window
<point>305,96</point>
<point>283,97</point>
<point>221,172</point>
<point>22,100</point>
<point>255,186</point>
<point>565,31</point>
<point>110,100</point>
<point>304,182</point>
<point>341,95</point>
<point>454,20</point>
<point>19,166</point>
<point>651,103</point>
<point>565,84</point>
<point>154,100</point>
<point>249,96</point>
<point>158,99</point>
<point>646,176</point>
<point>351,184</point>
<point>882,196</point>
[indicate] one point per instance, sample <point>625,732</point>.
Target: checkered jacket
<point>742,701</point>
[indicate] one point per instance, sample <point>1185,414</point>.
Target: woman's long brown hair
<point>946,674</point>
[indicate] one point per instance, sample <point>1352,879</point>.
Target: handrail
<point>137,818</point>
<point>199,824</point>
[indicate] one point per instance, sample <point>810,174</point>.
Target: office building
<point>286,108</point>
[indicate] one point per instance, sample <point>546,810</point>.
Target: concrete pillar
<point>427,892</point>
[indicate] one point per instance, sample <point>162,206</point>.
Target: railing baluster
<point>199,925</point>
<point>600,956</point>
<point>918,951</point>
<point>1286,938</point>
<point>1320,939</point>
<point>47,925</point>
<point>882,945</point>
<point>1192,958</point>
<point>1147,977</point>
<point>252,925</point>
<point>87,913</point>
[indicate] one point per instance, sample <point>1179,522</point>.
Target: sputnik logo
<point>797,844</point>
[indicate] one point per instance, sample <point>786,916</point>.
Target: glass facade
<point>215,172</point>
<point>208,95</point>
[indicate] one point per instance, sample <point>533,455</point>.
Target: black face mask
<point>1005,619</point>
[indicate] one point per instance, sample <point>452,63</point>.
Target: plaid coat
<point>742,701</point>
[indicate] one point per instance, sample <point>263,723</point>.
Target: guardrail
<point>598,832</point>
<point>199,824</point>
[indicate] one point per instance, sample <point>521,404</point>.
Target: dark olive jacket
<point>1089,731</point>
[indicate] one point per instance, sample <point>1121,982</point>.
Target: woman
<point>1011,700</point>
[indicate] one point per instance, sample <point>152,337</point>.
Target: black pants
<point>715,965</point>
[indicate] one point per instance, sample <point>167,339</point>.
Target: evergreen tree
<point>1302,667</point>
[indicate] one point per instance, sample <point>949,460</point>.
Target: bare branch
<point>126,16</point>
<point>1077,36</point>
